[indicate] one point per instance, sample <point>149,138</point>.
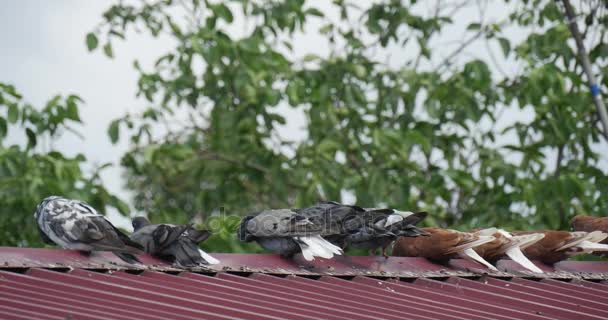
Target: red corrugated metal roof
<point>62,284</point>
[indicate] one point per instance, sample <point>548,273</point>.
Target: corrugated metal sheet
<point>61,284</point>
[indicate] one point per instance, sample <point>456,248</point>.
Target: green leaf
<point>114,131</point>
<point>107,49</point>
<point>360,71</point>
<point>474,26</point>
<point>505,45</point>
<point>72,109</point>
<point>3,128</point>
<point>315,12</point>
<point>13,113</point>
<point>92,41</point>
<point>310,57</point>
<point>223,12</point>
<point>31,137</point>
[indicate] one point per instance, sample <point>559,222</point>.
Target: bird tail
<point>188,254</point>
<point>466,251</point>
<point>487,231</point>
<point>404,218</point>
<point>316,246</point>
<point>514,249</point>
<point>471,244</point>
<point>470,254</point>
<point>127,257</point>
<point>581,236</point>
<point>207,257</point>
<point>518,256</point>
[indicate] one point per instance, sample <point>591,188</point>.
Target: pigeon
<point>287,232</point>
<point>176,243</point>
<point>369,228</point>
<point>505,244</point>
<point>561,245</point>
<point>443,244</point>
<point>73,224</point>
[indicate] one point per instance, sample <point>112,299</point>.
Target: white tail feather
<point>487,232</point>
<point>579,237</point>
<point>208,258</point>
<point>470,254</point>
<point>527,240</point>
<point>589,246</point>
<point>516,255</point>
<point>307,253</point>
<point>392,219</point>
<point>316,246</point>
<point>481,240</point>
<point>597,236</point>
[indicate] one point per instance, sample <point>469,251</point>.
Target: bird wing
<point>165,235</point>
<point>100,234</point>
<point>44,237</point>
<point>281,223</point>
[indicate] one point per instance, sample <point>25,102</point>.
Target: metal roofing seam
<point>109,297</point>
<point>342,300</point>
<point>245,296</point>
<point>53,303</point>
<point>523,297</point>
<point>102,309</point>
<point>117,307</point>
<point>395,298</point>
<point>128,292</point>
<point>183,297</point>
<point>487,296</point>
<point>391,306</point>
<point>19,313</point>
<point>210,297</point>
<point>48,309</point>
<point>410,297</point>
<point>477,306</point>
<point>331,303</point>
<point>564,292</point>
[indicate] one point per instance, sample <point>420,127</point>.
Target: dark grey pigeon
<point>73,224</point>
<point>176,243</point>
<point>286,232</point>
<point>371,228</point>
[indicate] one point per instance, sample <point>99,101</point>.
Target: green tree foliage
<point>33,171</point>
<point>424,133</point>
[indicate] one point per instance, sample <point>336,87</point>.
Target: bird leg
<point>384,252</point>
<point>372,252</point>
<point>86,253</point>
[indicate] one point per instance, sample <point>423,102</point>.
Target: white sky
<point>43,53</point>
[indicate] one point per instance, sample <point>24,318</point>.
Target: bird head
<point>581,223</point>
<point>139,222</point>
<point>242,232</point>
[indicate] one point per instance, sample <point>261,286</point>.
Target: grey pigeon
<point>73,224</point>
<point>176,243</point>
<point>286,232</point>
<point>370,228</point>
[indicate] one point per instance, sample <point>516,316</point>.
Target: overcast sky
<point>43,54</point>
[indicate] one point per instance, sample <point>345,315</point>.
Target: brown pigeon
<point>442,245</point>
<point>505,244</point>
<point>561,245</point>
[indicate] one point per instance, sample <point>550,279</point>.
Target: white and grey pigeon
<point>286,232</point>
<point>176,243</point>
<point>73,224</point>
